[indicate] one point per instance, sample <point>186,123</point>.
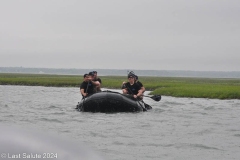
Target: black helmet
<point>131,75</point>
<point>131,72</point>
<point>91,74</point>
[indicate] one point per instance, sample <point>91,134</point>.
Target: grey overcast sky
<point>201,35</point>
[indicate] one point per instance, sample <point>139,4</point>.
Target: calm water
<point>176,128</point>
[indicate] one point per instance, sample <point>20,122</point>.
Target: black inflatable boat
<point>108,101</point>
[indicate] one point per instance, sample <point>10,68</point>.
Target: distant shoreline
<point>123,72</point>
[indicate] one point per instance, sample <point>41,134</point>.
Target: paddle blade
<point>156,97</point>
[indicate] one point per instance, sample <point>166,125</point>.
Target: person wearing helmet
<point>132,88</point>
<point>136,81</point>
<point>135,88</point>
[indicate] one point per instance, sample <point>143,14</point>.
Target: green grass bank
<point>168,86</point>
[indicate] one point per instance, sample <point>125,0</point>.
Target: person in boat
<point>136,81</point>
<point>87,87</point>
<point>96,78</point>
<point>132,88</point>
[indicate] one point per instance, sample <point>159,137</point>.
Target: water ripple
<point>210,108</point>
<point>201,146</point>
<point>237,135</point>
<point>50,120</point>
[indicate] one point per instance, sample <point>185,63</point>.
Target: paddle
<point>155,97</point>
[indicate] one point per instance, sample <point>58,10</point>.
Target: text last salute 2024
<point>29,156</point>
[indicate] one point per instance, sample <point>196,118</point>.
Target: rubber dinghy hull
<point>108,101</point>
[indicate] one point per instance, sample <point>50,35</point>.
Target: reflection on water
<point>176,128</point>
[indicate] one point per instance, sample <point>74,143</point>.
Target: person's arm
<point>125,91</point>
<point>142,89</point>
<point>140,93</point>
<point>99,80</point>
<point>95,83</point>
<point>124,88</point>
<point>82,92</point>
<point>141,85</point>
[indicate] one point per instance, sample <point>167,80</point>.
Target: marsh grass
<point>169,86</point>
